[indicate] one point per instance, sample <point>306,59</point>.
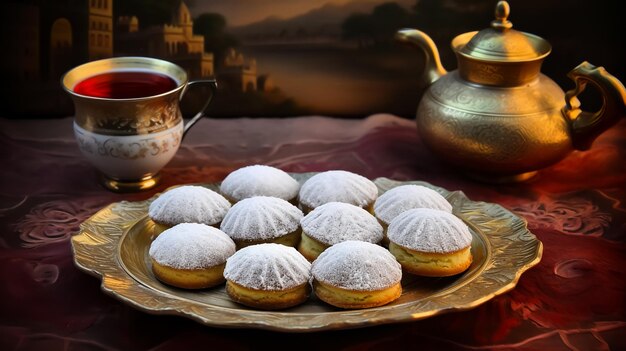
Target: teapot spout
<point>433,69</point>
<point>586,126</point>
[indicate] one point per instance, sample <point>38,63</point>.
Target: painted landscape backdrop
<point>283,57</point>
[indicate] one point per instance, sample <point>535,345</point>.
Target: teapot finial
<point>502,13</point>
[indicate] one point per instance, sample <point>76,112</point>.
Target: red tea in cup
<point>128,122</point>
<point>125,85</point>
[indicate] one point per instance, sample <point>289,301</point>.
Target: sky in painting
<point>241,12</point>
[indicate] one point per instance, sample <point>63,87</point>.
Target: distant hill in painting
<point>322,22</point>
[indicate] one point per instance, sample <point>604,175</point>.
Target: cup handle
<point>212,83</point>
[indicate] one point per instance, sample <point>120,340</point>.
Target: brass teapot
<point>498,117</point>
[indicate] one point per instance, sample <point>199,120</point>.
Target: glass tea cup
<point>128,122</point>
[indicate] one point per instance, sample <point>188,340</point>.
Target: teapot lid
<point>502,43</point>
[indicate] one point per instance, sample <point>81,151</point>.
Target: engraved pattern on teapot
<point>487,72</point>
<point>498,139</point>
<point>451,91</point>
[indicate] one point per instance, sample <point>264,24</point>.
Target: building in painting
<point>128,24</point>
<point>174,42</point>
<point>43,40</point>
<point>51,37</point>
<point>100,29</point>
<point>177,43</point>
<point>238,73</point>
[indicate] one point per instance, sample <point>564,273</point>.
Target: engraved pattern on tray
<point>113,245</point>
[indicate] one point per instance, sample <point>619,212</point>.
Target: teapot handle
<point>586,126</point>
<point>212,84</point>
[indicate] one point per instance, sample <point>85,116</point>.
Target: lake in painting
<point>334,80</point>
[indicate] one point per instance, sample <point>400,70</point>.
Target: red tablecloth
<point>574,299</point>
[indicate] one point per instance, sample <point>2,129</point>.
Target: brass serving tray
<point>113,244</point>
